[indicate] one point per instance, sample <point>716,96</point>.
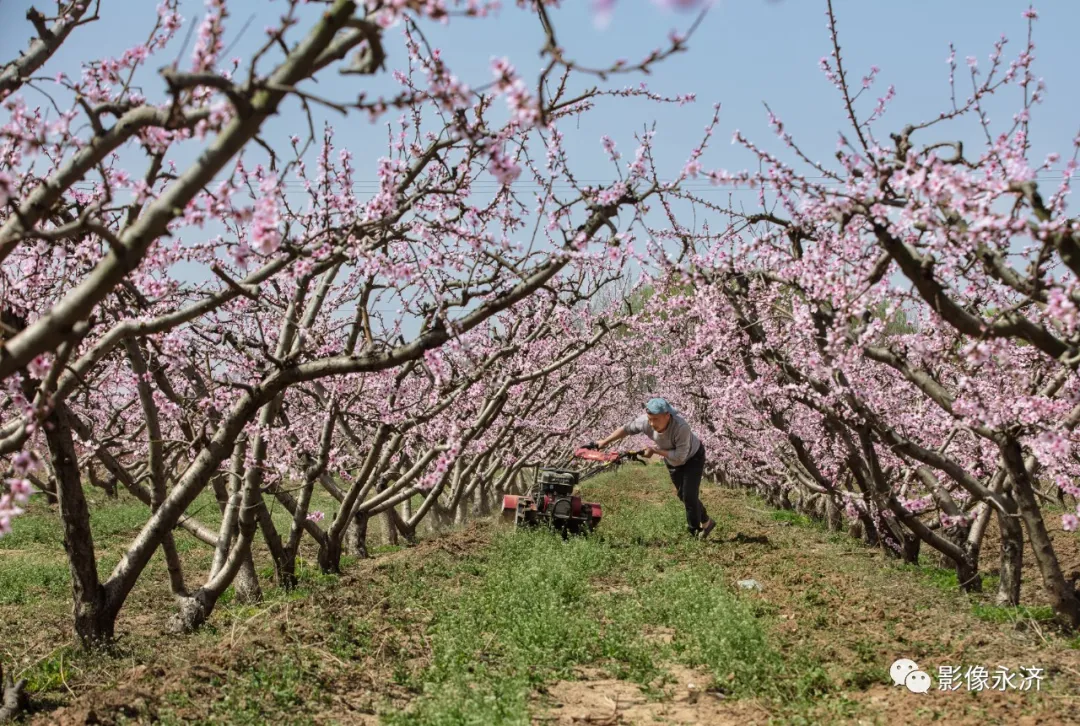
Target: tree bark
<point>195,608</point>
<point>94,623</point>
<point>284,568</point>
<point>356,536</point>
<point>834,515</point>
<point>1063,598</point>
<point>391,526</point>
<point>1012,561</point>
<point>246,588</point>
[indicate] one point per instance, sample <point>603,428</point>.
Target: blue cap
<point>658,405</point>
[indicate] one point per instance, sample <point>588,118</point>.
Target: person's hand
<point>591,445</point>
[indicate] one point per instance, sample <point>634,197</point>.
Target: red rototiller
<point>551,500</point>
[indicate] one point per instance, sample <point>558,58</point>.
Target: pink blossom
<point>265,235</point>
<point>503,168</point>
<point>39,367</point>
<point>25,462</point>
<point>20,490</point>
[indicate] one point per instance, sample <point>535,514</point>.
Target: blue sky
<point>744,53</point>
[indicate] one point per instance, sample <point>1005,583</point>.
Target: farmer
<point>682,451</point>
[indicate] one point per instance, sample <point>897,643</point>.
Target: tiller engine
<point>552,501</point>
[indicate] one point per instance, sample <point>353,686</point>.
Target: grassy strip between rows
<point>537,606</point>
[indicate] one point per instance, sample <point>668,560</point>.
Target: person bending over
<point>682,451</point>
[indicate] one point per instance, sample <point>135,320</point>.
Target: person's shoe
<point>709,526</point>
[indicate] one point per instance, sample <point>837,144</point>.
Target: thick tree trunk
<point>462,511</point>
<point>870,534</point>
<point>484,500</point>
<point>911,546</point>
<point>1012,540</point>
<point>1063,598</point>
<point>246,588</point>
<point>1012,561</point>
<point>194,611</point>
<point>356,536</point>
<point>330,556</point>
<point>352,539</point>
<point>402,526</point>
<point>94,623</point>
<point>834,514</point>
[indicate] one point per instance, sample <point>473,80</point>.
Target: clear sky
<point>744,53</point>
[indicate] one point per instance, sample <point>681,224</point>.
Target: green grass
<point>532,607</point>
<point>942,578</point>
<point>784,515</point>
<point>1005,614</point>
<point>30,578</point>
<point>281,685</point>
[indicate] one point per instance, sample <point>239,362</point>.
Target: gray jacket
<point>676,437</point>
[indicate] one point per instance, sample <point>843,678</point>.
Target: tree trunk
<point>284,566</point>
<point>194,611</point>
<point>870,530</point>
<point>330,556</point>
<point>484,500</point>
<point>834,514</point>
<point>911,546</point>
<point>1012,560</point>
<point>356,536</point>
<point>94,624</point>
<point>391,527</point>
<point>401,526</point>
<point>196,608</point>
<point>246,588</point>
<point>352,539</point>
<point>461,511</point>
<point>1063,598</point>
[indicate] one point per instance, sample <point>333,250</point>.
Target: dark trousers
<point>687,481</point>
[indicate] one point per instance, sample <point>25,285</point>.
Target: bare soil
<point>595,699</point>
